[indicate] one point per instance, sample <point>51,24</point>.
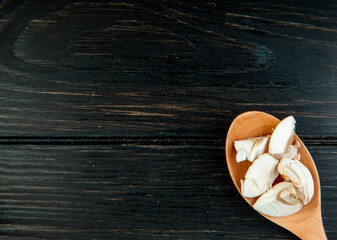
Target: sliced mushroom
<point>243,148</point>
<point>246,144</point>
<point>279,201</point>
<point>250,148</point>
<point>297,144</point>
<point>260,176</point>
<point>259,148</point>
<point>282,136</point>
<point>291,152</point>
<point>300,176</point>
<point>241,155</point>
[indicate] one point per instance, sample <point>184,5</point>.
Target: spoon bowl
<point>307,223</point>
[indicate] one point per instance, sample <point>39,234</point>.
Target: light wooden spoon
<point>307,223</point>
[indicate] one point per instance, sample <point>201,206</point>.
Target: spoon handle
<point>316,232</point>
<point>311,228</point>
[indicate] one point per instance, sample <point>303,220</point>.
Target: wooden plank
<point>136,192</point>
<point>170,68</point>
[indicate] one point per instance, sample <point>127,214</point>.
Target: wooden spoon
<point>307,223</point>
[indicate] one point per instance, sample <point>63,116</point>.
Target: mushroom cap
<point>300,176</point>
<point>279,201</point>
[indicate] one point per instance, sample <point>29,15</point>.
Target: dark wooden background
<point>114,114</point>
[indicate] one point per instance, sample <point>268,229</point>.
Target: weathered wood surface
<point>136,192</point>
<point>171,68</point>
<point>113,115</point>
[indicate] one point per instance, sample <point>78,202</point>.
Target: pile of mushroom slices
<point>271,156</point>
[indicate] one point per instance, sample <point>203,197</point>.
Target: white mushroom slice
<point>290,170</point>
<point>297,157</point>
<point>306,193</point>
<point>299,175</point>
<point>241,155</point>
<point>260,176</point>
<point>297,144</point>
<point>249,188</point>
<point>279,201</point>
<point>246,144</point>
<point>259,148</point>
<point>291,152</point>
<point>252,146</point>
<point>282,136</point>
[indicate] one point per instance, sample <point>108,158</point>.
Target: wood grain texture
<point>136,192</point>
<point>113,115</point>
<point>168,68</point>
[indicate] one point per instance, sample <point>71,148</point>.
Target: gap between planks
<point>145,140</point>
